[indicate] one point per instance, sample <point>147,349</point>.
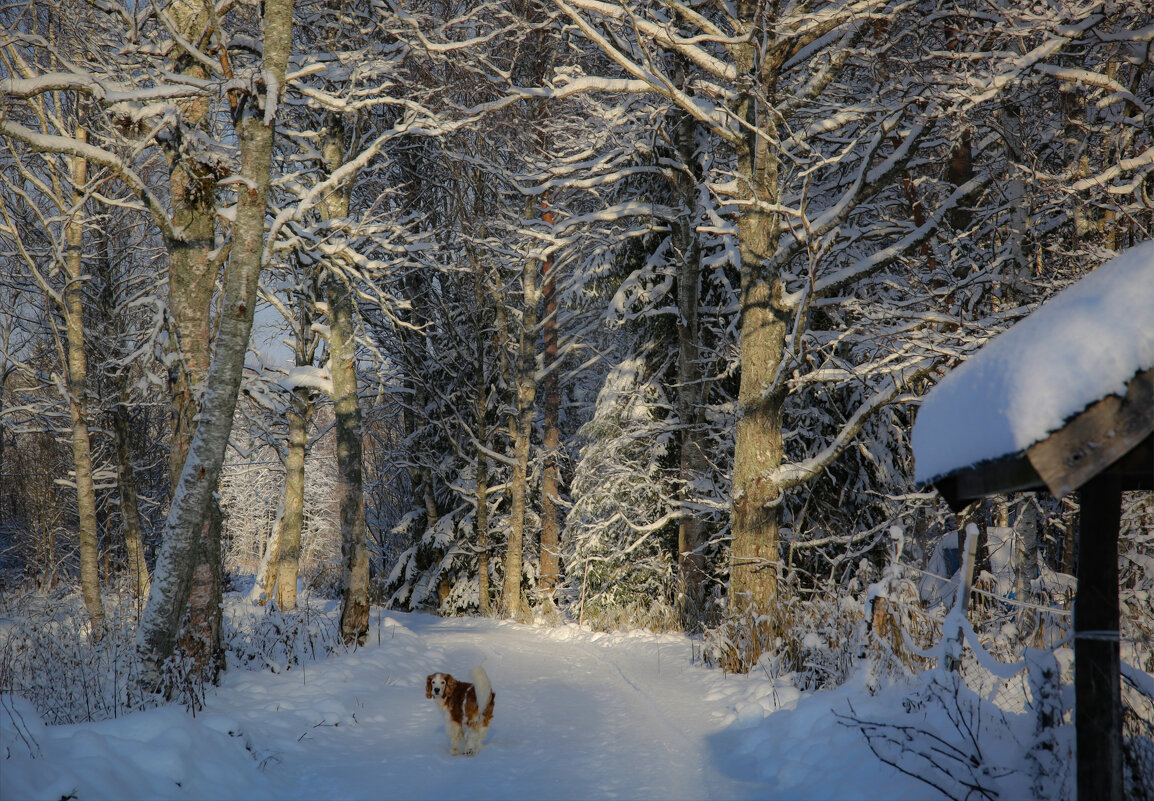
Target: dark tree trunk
<point>551,389</point>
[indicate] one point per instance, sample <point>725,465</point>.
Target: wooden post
<point>953,654</point>
<point>1097,673</point>
<point>969,558</point>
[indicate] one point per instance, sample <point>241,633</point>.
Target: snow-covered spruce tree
<point>620,561</point>
<point>667,287</point>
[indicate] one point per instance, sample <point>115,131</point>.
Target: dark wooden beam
<point>1097,671</point>
<point>996,477</point>
<point>1097,438</point>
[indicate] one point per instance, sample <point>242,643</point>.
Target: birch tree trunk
<point>189,513</point>
<point>522,430</point>
<point>77,404</point>
<point>343,367</point>
<point>288,544</point>
<point>283,567</point>
<point>192,273</point>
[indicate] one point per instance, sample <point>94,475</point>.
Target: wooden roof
<point>1114,435</point>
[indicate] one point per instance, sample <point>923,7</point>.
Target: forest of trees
<point>617,312</point>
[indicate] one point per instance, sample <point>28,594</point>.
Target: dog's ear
<point>429,686</point>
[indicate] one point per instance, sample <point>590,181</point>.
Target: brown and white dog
<point>468,708</point>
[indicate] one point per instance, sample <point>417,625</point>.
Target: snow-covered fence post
<point>953,632</point>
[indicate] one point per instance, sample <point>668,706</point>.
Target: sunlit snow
<point>579,715</point>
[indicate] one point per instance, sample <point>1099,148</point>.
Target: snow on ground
<point>579,715</point>
<point>1083,344</point>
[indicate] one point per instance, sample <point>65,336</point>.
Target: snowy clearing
<point>578,715</point>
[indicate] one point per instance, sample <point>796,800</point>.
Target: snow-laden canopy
<point>1083,345</point>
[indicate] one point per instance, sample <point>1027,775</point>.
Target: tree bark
<point>77,404</point>
<point>292,522</point>
<point>1026,564</point>
<point>481,519</point>
<point>343,368</point>
<point>522,430</point>
<point>691,534</point>
<point>189,514</point>
<point>192,276</point>
<point>354,551</point>
<point>129,508</point>
<point>551,388</point>
<point>758,443</point>
<point>264,586</point>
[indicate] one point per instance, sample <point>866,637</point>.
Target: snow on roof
<point>1082,345</point>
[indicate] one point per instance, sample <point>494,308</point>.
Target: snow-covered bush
<point>259,638</point>
<point>50,656</point>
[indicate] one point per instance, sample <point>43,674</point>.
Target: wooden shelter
<point>1062,402</point>
<point>1102,452</point>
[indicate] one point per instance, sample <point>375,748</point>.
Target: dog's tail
<point>482,686</point>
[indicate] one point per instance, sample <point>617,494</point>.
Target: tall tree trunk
<point>292,521</point>
<point>192,276</point>
<point>691,534</point>
<point>481,519</point>
<point>284,564</point>
<point>521,429</point>
<point>122,440</point>
<point>77,404</point>
<point>551,388</point>
<point>758,442</point>
<point>126,485</point>
<point>189,514</point>
<point>354,551</point>
<point>264,585</point>
<point>343,368</point>
<point>1026,564</point>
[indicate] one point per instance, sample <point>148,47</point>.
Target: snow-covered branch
<point>52,143</point>
<point>796,473</point>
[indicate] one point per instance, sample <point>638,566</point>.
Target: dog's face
<point>437,686</point>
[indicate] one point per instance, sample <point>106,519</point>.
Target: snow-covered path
<point>577,716</point>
